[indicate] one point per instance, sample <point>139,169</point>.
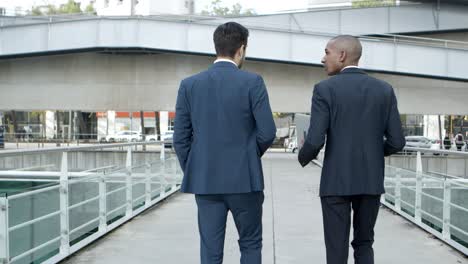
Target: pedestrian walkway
<point>293,232</point>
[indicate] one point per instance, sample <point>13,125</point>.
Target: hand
<point>300,158</point>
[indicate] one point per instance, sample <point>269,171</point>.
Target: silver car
<point>418,142</point>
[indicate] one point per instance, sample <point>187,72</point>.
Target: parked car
<point>151,138</point>
<point>435,144</point>
<point>291,144</point>
<point>418,142</point>
<point>124,136</point>
<point>168,138</point>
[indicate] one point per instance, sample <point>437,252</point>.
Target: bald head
<point>341,51</point>
<point>349,44</point>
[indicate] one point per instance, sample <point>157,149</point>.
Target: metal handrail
<point>391,195</point>
<point>24,254</point>
<point>116,209</point>
<point>408,204</point>
<point>391,38</point>
<point>455,182</point>
<point>24,194</point>
<point>414,172</point>
<point>445,175</point>
<point>459,207</point>
<point>157,189</point>
<point>139,197</point>
<point>35,220</point>
<point>116,190</point>
<point>431,215</point>
<point>75,149</point>
<point>84,225</point>
<point>459,230</point>
<point>437,151</point>
<point>433,197</point>
<point>95,198</point>
<point>407,188</point>
<point>139,182</point>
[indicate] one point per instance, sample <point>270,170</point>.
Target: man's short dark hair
<point>229,37</point>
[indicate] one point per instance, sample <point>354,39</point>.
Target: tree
<point>71,7</point>
<point>217,9</point>
<point>36,11</point>
<point>373,3</point>
<point>90,9</point>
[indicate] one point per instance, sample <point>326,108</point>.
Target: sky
<point>260,6</point>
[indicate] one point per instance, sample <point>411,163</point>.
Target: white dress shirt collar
<point>225,60</point>
<point>349,67</point>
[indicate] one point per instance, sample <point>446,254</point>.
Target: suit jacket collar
<point>353,70</point>
<point>223,64</point>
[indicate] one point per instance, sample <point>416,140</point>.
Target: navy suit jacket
<point>358,117</point>
<point>223,126</point>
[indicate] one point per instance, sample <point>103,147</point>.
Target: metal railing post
<point>466,161</point>
<point>102,204</point>
<point>446,211</point>
<point>163,150</point>
<point>179,172</point>
<point>174,173</point>
<point>398,189</point>
<point>64,217</point>
<point>418,195</point>
<point>129,193</point>
<point>148,185</point>
<point>4,233</point>
<point>162,178</point>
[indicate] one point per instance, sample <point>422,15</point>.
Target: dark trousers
<point>337,221</point>
<point>246,210</point>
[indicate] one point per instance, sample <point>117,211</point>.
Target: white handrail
<point>100,180</point>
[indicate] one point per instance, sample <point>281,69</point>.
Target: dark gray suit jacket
<point>223,126</point>
<point>358,117</point>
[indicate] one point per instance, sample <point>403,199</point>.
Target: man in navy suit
<point>223,126</point>
<point>358,117</point>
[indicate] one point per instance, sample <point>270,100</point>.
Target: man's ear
<point>241,50</point>
<point>343,56</point>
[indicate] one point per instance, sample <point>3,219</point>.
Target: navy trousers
<point>337,222</point>
<point>246,209</point>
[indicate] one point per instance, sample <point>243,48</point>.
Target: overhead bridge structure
<point>136,63</point>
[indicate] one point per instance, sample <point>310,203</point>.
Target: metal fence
<point>72,202</point>
<point>37,140</point>
<point>434,162</point>
<point>436,202</point>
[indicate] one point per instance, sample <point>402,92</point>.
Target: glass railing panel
<point>139,179</point>
<point>158,179</point>
<point>43,211</point>
<point>83,207</point>
<point>116,194</point>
